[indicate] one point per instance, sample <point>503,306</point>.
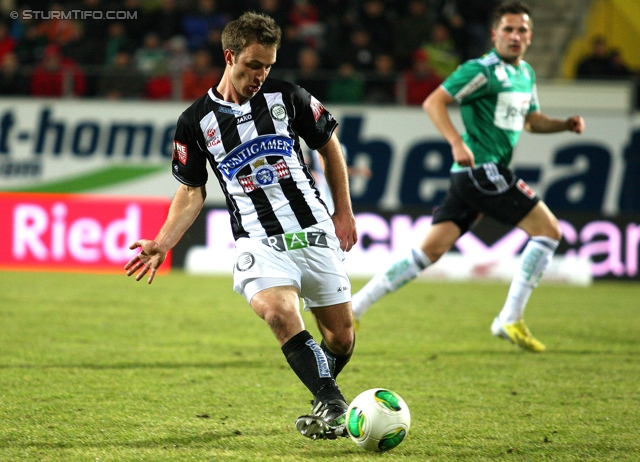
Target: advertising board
<point>72,232</point>
<point>124,148</point>
<point>593,247</point>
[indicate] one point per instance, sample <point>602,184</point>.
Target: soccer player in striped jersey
<point>497,98</point>
<point>247,128</point>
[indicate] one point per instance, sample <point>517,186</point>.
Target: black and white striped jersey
<point>254,150</point>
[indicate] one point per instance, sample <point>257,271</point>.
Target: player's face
<point>512,36</point>
<point>250,68</point>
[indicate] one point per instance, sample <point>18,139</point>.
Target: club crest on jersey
<point>264,175</point>
<point>253,150</point>
<point>501,73</point>
<point>278,112</point>
<point>180,152</point>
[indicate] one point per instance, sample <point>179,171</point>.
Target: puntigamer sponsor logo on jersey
<point>251,150</point>
<point>263,175</point>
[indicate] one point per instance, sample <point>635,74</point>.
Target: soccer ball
<point>378,419</point>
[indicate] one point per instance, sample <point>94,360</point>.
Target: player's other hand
<point>345,224</point>
<point>462,155</point>
<point>147,261</point>
<point>575,124</point>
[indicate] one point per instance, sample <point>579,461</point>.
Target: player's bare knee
<point>556,231</point>
<point>279,321</point>
<point>434,254</point>
<point>556,234</point>
<point>434,249</point>
<point>273,319</point>
<point>553,229</point>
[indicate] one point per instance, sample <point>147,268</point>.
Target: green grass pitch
<point>101,368</point>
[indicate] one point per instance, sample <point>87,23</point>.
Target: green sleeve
<point>468,82</point>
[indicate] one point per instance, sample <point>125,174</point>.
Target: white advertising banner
<point>387,239</point>
<point>124,148</point>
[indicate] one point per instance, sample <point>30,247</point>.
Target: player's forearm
<point>541,123</point>
<point>184,209</point>
<point>341,200</point>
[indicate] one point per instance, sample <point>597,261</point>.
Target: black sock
<point>336,362</point>
<point>308,361</point>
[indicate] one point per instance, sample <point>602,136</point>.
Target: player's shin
<point>389,280</point>
<point>336,362</point>
<point>309,362</point>
<point>534,260</point>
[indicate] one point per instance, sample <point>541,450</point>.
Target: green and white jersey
<point>495,98</point>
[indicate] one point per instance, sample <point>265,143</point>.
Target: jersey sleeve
<point>189,161</point>
<point>313,122</point>
<point>468,82</point>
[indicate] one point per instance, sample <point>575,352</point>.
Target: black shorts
<point>491,189</point>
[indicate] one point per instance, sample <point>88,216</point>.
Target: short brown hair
<point>248,29</point>
<point>510,8</point>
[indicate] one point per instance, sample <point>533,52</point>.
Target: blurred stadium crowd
<point>342,51</point>
<point>346,51</point>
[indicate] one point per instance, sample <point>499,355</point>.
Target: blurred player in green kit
<point>498,99</point>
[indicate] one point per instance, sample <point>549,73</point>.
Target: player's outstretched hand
<point>575,124</point>
<point>147,261</point>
